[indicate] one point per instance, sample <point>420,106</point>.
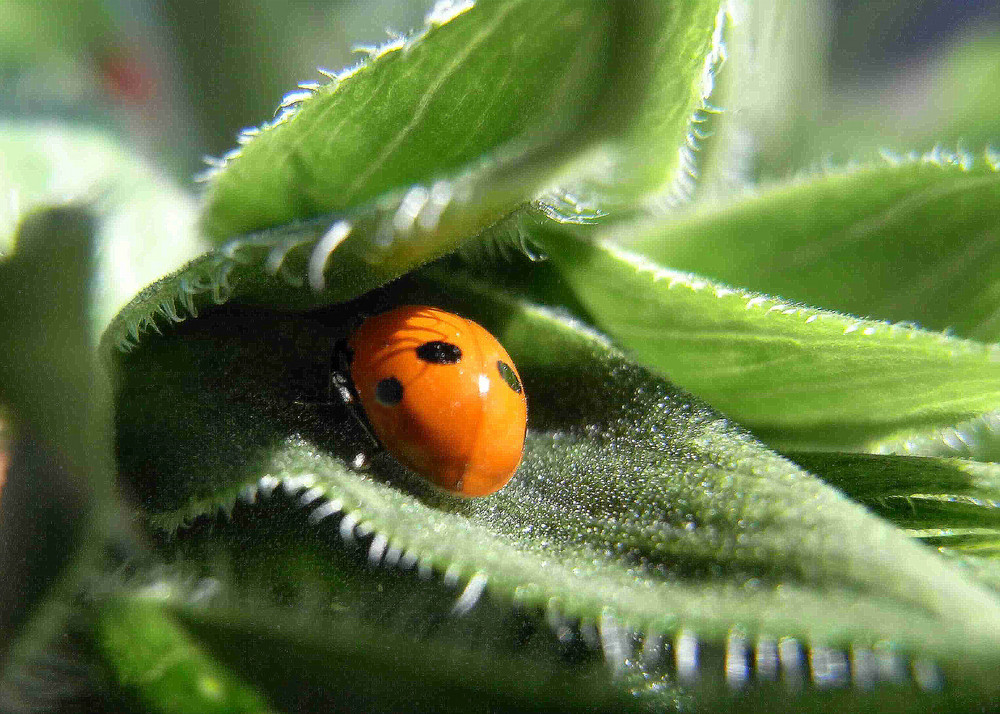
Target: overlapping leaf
<point>654,161</point>
<point>636,506</point>
<point>400,159</point>
<point>949,503</point>
<point>144,223</point>
<point>438,136</point>
<point>649,553</point>
<point>796,374</point>
<point>913,239</point>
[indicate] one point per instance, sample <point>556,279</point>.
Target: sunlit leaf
<point>976,438</point>
<point>431,141</point>
<point>654,161</point>
<point>910,240</point>
<point>795,374</point>
<point>948,503</point>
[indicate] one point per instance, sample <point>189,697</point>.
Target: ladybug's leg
<point>341,388</point>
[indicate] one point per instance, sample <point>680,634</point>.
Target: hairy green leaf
<point>911,240</point>
<point>320,656</point>
<point>976,438</point>
<point>916,493</point>
<point>949,503</point>
<point>636,508</point>
<point>794,374</point>
<point>435,138</point>
<point>657,153</point>
<point>441,135</point>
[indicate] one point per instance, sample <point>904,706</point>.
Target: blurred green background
<point>817,81</point>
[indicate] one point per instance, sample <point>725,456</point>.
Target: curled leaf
<point>428,143</point>
<point>637,509</point>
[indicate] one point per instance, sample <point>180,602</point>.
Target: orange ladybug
<point>442,395</point>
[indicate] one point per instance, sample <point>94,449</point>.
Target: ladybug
<point>441,394</point>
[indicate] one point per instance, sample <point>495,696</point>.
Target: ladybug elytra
<point>442,395</point>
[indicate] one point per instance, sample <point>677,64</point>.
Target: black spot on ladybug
<point>508,375</point>
<point>389,392</point>
<point>438,352</point>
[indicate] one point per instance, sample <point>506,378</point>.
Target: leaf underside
<point>428,144</point>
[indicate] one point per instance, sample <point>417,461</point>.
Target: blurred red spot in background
<point>126,76</point>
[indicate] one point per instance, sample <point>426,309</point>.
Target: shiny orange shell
<point>442,395</point>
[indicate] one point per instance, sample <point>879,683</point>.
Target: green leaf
<point>907,240</point>
<point>916,493</point>
<point>438,136</point>
<point>55,399</point>
<point>795,375</point>
<point>657,153</point>
<point>977,438</point>
<point>427,144</point>
<point>331,658</point>
<point>145,225</point>
<point>164,667</point>
<point>950,504</point>
<point>637,508</point>
<point>478,78</point>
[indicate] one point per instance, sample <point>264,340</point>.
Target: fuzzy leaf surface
<point>794,374</point>
<point>952,504</point>
<point>917,240</point>
<point>655,157</point>
<point>636,506</point>
<point>977,438</point>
